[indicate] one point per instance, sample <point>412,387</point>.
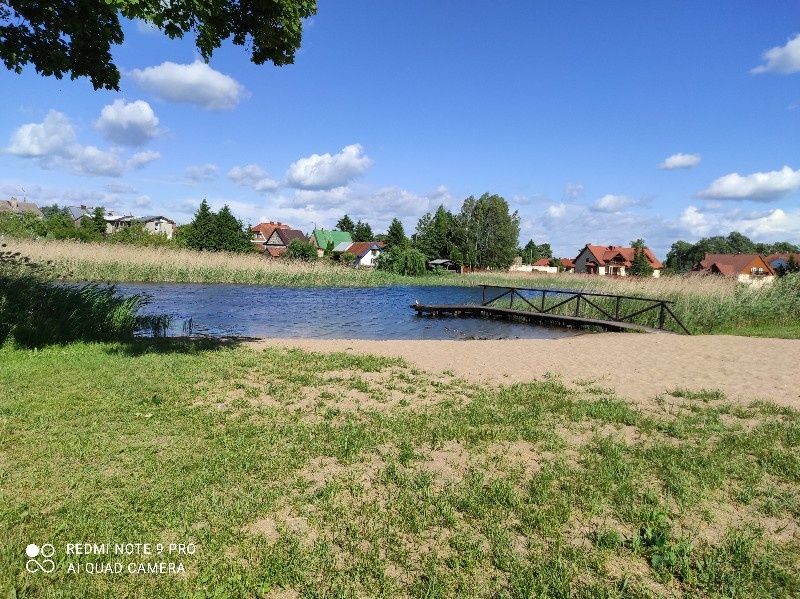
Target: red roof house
<point>612,260</point>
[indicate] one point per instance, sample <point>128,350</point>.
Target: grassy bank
<point>313,475</point>
<point>704,304</point>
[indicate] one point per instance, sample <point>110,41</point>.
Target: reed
<point>704,304</point>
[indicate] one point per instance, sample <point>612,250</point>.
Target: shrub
<point>301,250</point>
<point>402,261</point>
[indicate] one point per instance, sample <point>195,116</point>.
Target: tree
<point>396,235</point>
<point>488,234</point>
<point>229,234</point>
<point>71,37</point>
<point>530,253</point>
<point>402,261</point>
<point>362,232</point>
<point>346,224</point>
<point>99,220</point>
<point>435,235</point>
<point>301,250</point>
<point>641,266</point>
<point>201,232</point>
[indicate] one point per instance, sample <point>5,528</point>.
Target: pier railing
<point>612,307</point>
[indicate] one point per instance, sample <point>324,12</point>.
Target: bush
<point>301,250</point>
<point>136,234</point>
<point>35,310</point>
<point>403,261</point>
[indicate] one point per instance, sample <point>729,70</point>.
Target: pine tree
<point>99,220</point>
<point>641,266</point>
<point>230,235</point>
<point>346,224</point>
<point>396,235</point>
<point>201,233</point>
<point>362,232</point>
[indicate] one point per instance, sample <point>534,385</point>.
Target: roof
<point>325,237</point>
<point>18,207</point>
<point>625,255</point>
<point>77,212</point>
<point>147,219</point>
<point>288,235</point>
<point>783,257</point>
<point>275,251</point>
<point>268,228</point>
<point>542,262</point>
<point>362,248</point>
<point>568,262</point>
<point>732,264</point>
<point>440,262</point>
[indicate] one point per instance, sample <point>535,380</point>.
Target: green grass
<point>340,476</point>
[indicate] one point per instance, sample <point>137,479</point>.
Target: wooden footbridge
<point>567,308</point>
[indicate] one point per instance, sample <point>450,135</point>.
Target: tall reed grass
<point>35,310</point>
<point>704,304</point>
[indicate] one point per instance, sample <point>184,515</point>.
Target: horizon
<point>683,127</point>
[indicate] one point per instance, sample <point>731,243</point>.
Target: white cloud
<point>613,203</point>
<point>129,124</point>
<point>680,160</point>
<point>573,190</point>
<point>781,59</point>
<point>145,27</point>
<point>195,83</point>
<point>557,211</point>
<point>326,171</point>
<point>143,201</point>
<point>201,172</point>
<point>252,175</point>
<point>141,159</point>
<point>52,136</point>
<point>52,144</point>
<point>770,225</point>
<point>761,186</point>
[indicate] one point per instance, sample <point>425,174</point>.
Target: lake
<point>325,313</point>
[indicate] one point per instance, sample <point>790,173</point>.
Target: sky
<point>598,122</point>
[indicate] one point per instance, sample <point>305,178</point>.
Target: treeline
<point>683,255</point>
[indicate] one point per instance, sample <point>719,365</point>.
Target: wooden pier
<point>615,318</point>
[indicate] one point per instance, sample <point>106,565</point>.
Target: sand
<point>635,366</point>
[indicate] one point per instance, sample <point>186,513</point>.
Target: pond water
<point>332,313</point>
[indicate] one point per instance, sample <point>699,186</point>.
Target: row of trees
<point>683,255</point>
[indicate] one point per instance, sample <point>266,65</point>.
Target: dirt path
<point>635,366</point>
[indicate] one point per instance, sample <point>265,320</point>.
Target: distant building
<point>158,225</point>
<point>14,206</point>
<point>443,264</point>
<point>281,237</point>
<point>366,252</point>
<point>752,269</point>
<point>568,264</point>
<point>263,231</point>
<point>615,260</point>
<point>780,262</point>
<point>324,238</point>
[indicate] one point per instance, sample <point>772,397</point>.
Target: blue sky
<point>571,111</point>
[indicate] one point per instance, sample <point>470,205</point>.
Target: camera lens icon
<point>45,565</point>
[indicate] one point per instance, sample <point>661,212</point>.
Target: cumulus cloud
<point>557,211</point>
<point>141,159</point>
<point>613,203</point>
<point>326,171</point>
<point>253,176</point>
<point>128,123</point>
<point>201,172</point>
<point>761,225</point>
<point>195,83</point>
<point>573,190</point>
<point>51,136</point>
<point>52,144</point>
<point>680,160</point>
<point>760,186</point>
<point>781,59</point>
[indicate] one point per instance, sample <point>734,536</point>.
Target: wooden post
<point>578,304</point>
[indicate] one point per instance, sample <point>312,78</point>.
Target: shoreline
<point>637,367</point>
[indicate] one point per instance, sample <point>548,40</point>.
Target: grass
<point>337,476</point>
<point>704,304</point>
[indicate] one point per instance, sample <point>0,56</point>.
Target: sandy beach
<point>639,367</point>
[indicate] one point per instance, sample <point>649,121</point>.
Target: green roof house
<point>324,238</point>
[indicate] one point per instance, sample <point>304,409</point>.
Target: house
<point>568,264</point>
<point>543,265</point>
<point>263,231</point>
<point>276,244</point>
<point>323,239</point>
<point>613,260</point>
<point>366,252</point>
<point>14,206</point>
<point>780,262</point>
<point>114,220</point>
<point>752,269</point>
<point>443,264</point>
<point>158,225</point>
